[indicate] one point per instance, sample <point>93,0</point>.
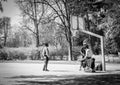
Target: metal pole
<point>103,55</point>
<point>77,22</point>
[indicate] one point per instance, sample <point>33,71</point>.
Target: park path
<point>11,72</point>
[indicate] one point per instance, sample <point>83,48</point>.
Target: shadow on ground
<point>106,79</point>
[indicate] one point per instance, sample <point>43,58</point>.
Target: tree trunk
<point>37,36</point>
<point>5,34</point>
<point>69,46</point>
<point>70,51</point>
<point>36,24</point>
<point>5,40</point>
<point>37,33</point>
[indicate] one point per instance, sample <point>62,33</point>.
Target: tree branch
<point>29,29</point>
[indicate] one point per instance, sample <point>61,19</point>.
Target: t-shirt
<point>45,51</point>
<point>88,53</point>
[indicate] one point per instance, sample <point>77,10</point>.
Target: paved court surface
<point>16,73</point>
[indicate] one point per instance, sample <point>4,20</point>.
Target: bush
<point>63,53</point>
<point>35,55</point>
<point>13,55</point>
<point>3,55</point>
<point>22,56</point>
<point>58,53</point>
<point>75,52</point>
<point>17,53</point>
<point>31,53</point>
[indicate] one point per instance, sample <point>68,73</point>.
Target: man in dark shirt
<point>83,53</point>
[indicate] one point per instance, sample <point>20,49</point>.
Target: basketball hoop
<point>77,24</point>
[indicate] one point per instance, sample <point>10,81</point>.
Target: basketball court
<point>12,73</point>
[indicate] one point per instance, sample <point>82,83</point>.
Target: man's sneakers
<point>45,70</point>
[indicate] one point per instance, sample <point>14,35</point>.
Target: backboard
<point>77,22</point>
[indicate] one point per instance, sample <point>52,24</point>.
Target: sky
<point>10,9</point>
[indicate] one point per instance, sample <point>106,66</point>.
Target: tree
<point>112,26</point>
<point>6,22</point>
<point>94,12</point>
<point>5,26</point>
<point>1,7</point>
<point>61,9</point>
<point>108,21</point>
<point>47,33</point>
<point>34,13</point>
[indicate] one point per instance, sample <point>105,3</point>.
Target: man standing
<point>46,56</point>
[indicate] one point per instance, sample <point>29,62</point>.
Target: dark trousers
<point>89,62</point>
<point>46,62</point>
